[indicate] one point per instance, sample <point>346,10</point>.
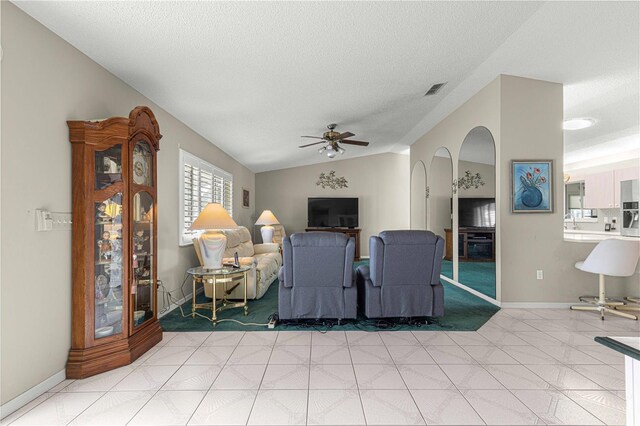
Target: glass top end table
<point>211,278</point>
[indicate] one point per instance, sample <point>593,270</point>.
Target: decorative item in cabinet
<point>114,292</point>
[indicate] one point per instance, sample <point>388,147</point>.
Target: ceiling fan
<point>331,140</point>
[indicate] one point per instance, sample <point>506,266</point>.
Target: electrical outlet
<point>52,221</point>
<point>272,323</point>
<point>61,221</point>
<point>539,274</point>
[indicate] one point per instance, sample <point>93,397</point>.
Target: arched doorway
<point>476,211</point>
<point>418,196</point>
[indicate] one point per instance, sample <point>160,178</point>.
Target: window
<point>201,183</point>
<point>574,202</point>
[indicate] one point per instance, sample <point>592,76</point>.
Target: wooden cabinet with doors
<point>602,190</point>
<point>620,175</point>
<point>598,191</point>
<point>474,244</point>
<point>114,264</point>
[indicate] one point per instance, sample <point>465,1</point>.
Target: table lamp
<point>212,242</point>
<point>267,219</point>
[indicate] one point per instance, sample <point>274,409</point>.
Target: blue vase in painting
<point>531,195</point>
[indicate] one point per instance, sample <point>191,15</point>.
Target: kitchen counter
<point>630,348</point>
<point>585,236</point>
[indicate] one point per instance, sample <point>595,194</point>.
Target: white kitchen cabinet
<point>622,175</point>
<point>599,191</point>
<point>602,190</point>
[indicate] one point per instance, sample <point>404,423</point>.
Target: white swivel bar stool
<point>615,258</point>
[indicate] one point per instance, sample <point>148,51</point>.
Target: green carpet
<point>480,276</point>
<point>463,312</point>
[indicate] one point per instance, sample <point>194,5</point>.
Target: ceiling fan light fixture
<point>330,141</point>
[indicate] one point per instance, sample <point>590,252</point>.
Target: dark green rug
<point>463,312</point>
<point>480,276</point>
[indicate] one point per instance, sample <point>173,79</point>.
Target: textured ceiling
<point>252,77</point>
<point>593,48</point>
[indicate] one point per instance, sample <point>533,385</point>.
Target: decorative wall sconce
<point>330,180</point>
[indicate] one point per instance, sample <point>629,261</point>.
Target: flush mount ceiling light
<point>578,123</point>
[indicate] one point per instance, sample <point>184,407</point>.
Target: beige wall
<point>45,82</point>
<point>524,117</point>
<point>531,128</point>
<point>381,182</point>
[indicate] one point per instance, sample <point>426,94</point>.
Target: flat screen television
<point>477,212</point>
<point>332,213</point>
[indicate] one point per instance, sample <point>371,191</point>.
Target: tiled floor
<point>522,367</point>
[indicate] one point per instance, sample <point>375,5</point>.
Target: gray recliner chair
<point>403,277</point>
<point>317,277</point>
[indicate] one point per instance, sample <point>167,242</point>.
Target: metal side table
<point>213,277</point>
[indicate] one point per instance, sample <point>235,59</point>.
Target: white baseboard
<point>537,305</point>
<point>178,303</point>
<point>174,305</point>
<point>511,305</point>
<point>472,291</point>
<point>31,394</point>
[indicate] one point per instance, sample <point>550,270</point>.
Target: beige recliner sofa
<point>265,260</point>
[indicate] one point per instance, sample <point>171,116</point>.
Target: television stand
<point>349,232</point>
<point>474,244</point>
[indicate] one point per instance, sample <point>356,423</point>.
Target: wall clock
<point>142,164</point>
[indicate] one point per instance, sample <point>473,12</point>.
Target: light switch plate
<point>539,274</point>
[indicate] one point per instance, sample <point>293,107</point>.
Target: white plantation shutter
<point>201,183</point>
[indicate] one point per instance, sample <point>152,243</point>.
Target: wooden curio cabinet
<point>114,265</point>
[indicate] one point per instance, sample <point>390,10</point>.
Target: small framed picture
<point>532,186</point>
<point>245,198</point>
<point>607,227</point>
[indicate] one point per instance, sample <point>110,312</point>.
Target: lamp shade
<point>267,218</point>
<point>213,216</point>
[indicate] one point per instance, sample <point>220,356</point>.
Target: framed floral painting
<point>532,186</point>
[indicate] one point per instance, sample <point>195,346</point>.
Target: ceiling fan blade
<point>344,135</point>
<point>312,137</point>
<point>310,144</point>
<point>359,143</point>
